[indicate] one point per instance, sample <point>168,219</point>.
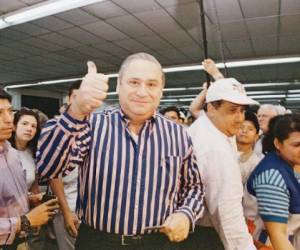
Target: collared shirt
<point>217,157</point>
<point>13,193</point>
<point>124,185</point>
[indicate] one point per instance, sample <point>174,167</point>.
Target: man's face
<point>140,89</point>
<point>247,133</point>
<point>172,115</point>
<point>228,117</point>
<point>6,120</point>
<point>264,115</point>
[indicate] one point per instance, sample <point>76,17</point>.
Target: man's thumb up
<point>92,68</point>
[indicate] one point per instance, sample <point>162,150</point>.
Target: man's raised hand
<point>90,95</point>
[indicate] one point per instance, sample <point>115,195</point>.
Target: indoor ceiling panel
<point>104,10</point>
<point>25,48</point>
<point>179,13</point>
<point>11,34</point>
<point>74,54</point>
<point>179,38</point>
<point>240,48</point>
<point>59,58</point>
<point>11,5</point>
<point>43,44</point>
<point>130,26</point>
<point>52,23</point>
<point>175,56</point>
<point>265,45</point>
<point>155,42</point>
<point>289,44</point>
<point>135,6</point>
<point>30,29</point>
<point>263,26</point>
<point>77,17</point>
<point>258,8</point>
<point>290,7</point>
<point>112,49</point>
<point>61,40</point>
<point>158,20</point>
<point>234,30</point>
<point>105,31</point>
<point>290,24</point>
<point>82,36</point>
<point>168,3</point>
<point>132,45</point>
<point>227,10</point>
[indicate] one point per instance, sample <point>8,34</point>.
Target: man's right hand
<point>90,95</point>
<point>42,213</point>
<point>211,68</point>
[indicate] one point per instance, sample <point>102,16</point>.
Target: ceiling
<point>58,46</point>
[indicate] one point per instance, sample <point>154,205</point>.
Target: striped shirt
<point>124,185</point>
<point>272,196</point>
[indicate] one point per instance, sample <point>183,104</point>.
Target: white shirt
<point>217,160</point>
<point>70,188</point>
<point>28,165</point>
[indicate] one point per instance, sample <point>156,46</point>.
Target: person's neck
<point>135,126</point>
<point>21,145</point>
<point>244,148</point>
<point>2,143</point>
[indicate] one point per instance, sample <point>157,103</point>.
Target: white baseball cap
<point>229,89</point>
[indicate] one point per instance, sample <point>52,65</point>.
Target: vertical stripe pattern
<point>125,184</point>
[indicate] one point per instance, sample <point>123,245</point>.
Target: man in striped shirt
<point>138,170</point>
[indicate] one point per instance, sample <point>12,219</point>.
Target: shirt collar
<point>4,147</point>
<point>125,118</point>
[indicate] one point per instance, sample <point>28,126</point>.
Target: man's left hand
<point>176,227</point>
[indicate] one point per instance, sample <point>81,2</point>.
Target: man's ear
<point>117,88</point>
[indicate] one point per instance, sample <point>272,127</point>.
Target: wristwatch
<point>25,225</point>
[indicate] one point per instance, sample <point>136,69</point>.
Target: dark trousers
<point>91,239</point>
<point>203,238</point>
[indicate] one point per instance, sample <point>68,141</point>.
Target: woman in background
<point>24,139</point>
<point>275,184</point>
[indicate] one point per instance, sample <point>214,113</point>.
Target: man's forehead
<point>5,104</point>
<point>231,104</point>
<point>140,67</point>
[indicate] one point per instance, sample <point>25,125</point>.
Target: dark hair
<point>4,95</point>
<point>169,109</point>
<point>33,143</point>
<point>75,85</point>
<point>251,117</point>
<point>280,127</point>
<point>216,104</point>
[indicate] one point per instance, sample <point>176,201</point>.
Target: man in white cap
<point>215,146</point>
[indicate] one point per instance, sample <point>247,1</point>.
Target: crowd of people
<point>133,177</point>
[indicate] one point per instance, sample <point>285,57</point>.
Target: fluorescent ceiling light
<point>235,64</point>
<point>293,96</point>
<point>264,92</point>
<point>294,91</point>
<point>267,96</point>
<point>43,9</point>
<point>268,84</point>
<point>292,99</point>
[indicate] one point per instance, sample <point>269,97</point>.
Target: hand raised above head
<point>90,95</point>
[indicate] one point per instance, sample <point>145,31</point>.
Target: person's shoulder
<point>166,121</point>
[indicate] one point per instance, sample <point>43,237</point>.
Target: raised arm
<point>199,101</point>
<point>64,142</point>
